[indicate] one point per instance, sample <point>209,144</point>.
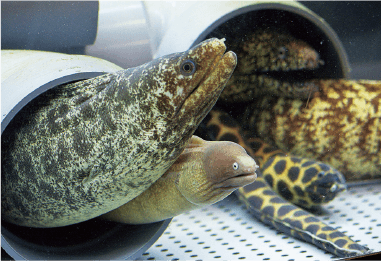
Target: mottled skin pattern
<point>268,206</point>
<point>83,149</point>
<point>340,125</point>
<point>206,172</point>
<point>274,66</point>
<point>262,55</point>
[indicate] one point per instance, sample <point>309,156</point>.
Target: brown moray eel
<point>274,66</point>
<point>83,149</point>
<point>206,172</point>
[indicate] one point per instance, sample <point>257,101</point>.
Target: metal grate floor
<point>226,230</point>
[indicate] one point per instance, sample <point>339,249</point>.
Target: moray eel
<point>339,125</point>
<point>275,68</point>
<point>308,183</point>
<point>267,206</point>
<point>83,149</point>
<point>303,182</point>
<point>206,172</point>
<point>271,61</point>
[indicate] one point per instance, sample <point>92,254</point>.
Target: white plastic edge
<point>122,34</point>
<point>189,20</point>
<point>29,70</point>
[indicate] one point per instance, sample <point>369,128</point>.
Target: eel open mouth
<point>273,62</point>
<point>294,83</point>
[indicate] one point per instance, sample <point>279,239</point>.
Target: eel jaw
<point>238,181</point>
<point>300,84</point>
<point>293,78</point>
<point>288,84</point>
<point>201,100</point>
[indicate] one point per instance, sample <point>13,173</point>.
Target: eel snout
<point>216,68</point>
<point>230,167</point>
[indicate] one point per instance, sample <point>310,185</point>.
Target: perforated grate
<point>226,230</point>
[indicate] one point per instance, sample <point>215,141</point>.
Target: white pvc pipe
<point>26,74</point>
<point>122,35</point>
<point>131,33</point>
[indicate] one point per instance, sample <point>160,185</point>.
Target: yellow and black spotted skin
<point>340,125</point>
<point>303,182</point>
<point>267,206</point>
<point>298,116</point>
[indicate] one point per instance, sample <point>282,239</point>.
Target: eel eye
<point>320,175</point>
<point>282,52</point>
<point>333,188</point>
<point>188,67</point>
<point>235,166</point>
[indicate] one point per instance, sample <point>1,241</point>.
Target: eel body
<point>206,172</point>
<point>275,68</point>
<point>83,149</point>
<point>339,125</point>
<point>269,197</point>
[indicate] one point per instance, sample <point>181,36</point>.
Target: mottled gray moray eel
<point>335,121</point>
<point>83,149</point>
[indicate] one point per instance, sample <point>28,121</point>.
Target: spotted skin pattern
<point>263,52</point>
<point>340,125</point>
<point>303,182</point>
<point>271,209</point>
<point>83,149</point>
<point>265,204</point>
<point>275,66</point>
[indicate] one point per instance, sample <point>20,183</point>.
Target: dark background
<point>358,25</point>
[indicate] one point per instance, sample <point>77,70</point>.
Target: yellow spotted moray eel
<point>267,206</point>
<point>339,125</point>
<point>290,184</point>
